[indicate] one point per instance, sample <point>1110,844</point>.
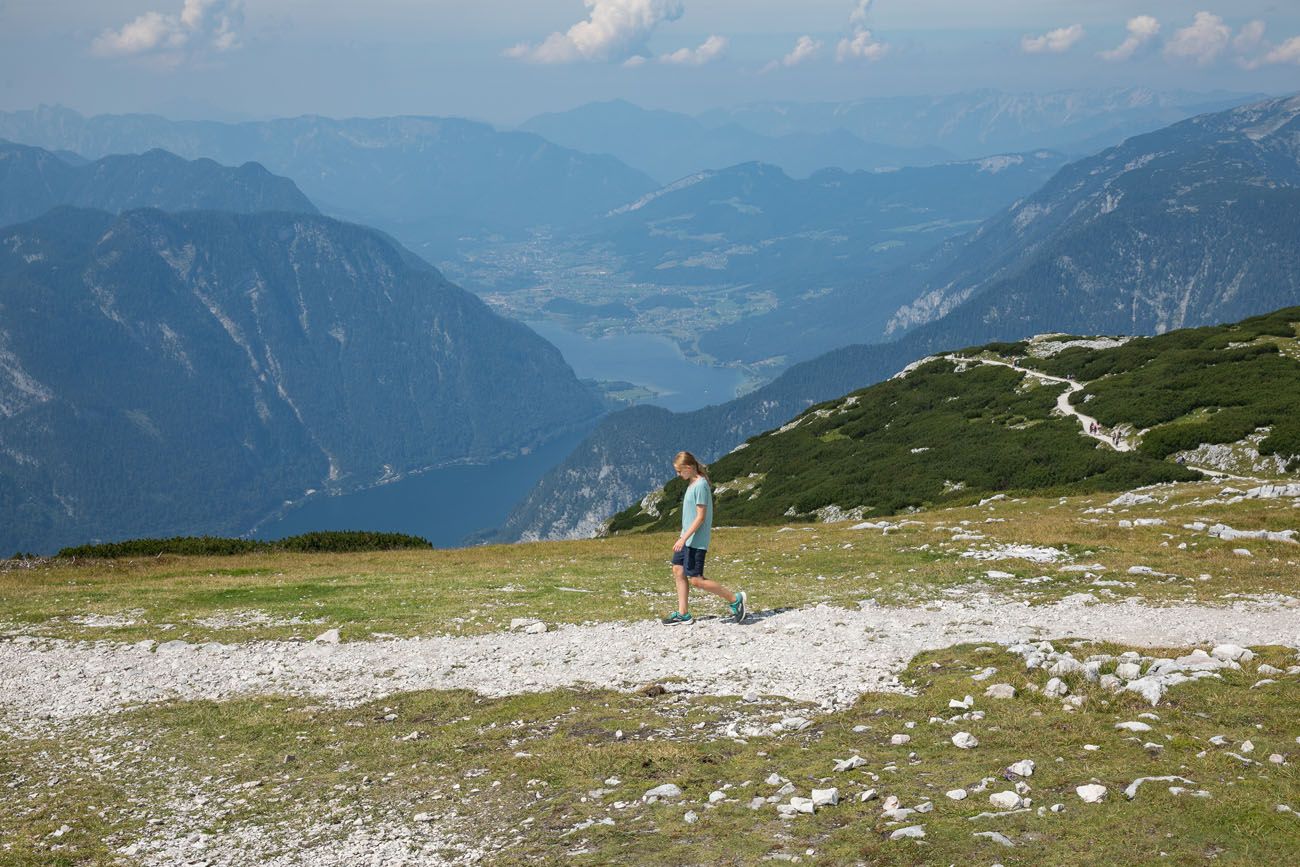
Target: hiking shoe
<point>738,610</point>
<point>675,618</point>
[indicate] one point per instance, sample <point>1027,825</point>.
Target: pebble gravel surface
<point>824,654</point>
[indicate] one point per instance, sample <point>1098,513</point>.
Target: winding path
<point>823,654</point>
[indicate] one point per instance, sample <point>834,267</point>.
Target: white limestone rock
<point>825,797</point>
<point>911,832</point>
<point>1091,793</point>
<point>662,793</point>
<point>1000,839</point>
<point>852,763</point>
<point>1005,800</point>
<point>1023,768</point>
<point>1133,726</point>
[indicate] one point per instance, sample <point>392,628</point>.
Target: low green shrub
<point>332,541</point>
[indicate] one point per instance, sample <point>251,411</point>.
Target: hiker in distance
<point>693,543</point>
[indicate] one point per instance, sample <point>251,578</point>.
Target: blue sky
<point>505,60</point>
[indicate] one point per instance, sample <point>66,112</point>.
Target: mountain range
<point>973,123</point>
<point>168,373</point>
<point>34,180</point>
<point>428,181</point>
<point>1191,225</point>
<point>668,145</point>
<point>754,224</point>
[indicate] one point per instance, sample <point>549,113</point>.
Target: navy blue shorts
<point>691,560</point>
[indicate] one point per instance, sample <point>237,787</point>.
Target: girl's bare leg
<point>683,589</point>
<point>711,587</point>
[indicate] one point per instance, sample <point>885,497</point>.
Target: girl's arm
<point>700,512</point>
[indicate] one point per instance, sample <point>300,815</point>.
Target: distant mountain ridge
<point>668,145</point>
<point>186,373</point>
<point>34,180</point>
<point>1250,224</point>
<point>752,223</point>
<point>428,181</point>
<point>1192,224</point>
<point>973,123</point>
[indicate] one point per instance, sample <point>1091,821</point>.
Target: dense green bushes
<point>332,542</point>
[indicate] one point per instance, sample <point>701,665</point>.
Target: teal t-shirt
<point>698,494</point>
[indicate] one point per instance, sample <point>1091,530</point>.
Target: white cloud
<point>1056,41</point>
<point>1141,30</point>
<point>202,25</point>
<point>710,49</point>
<point>1201,42</point>
<point>1287,52</point>
<point>806,48</point>
<point>615,31</point>
<point>859,16</point>
<point>862,45</point>
<point>1249,38</point>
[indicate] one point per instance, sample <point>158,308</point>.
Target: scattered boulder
<point>1091,793</point>
<point>911,832</point>
<point>1000,839</point>
<point>1232,652</point>
<point>852,763</point>
<point>965,741</point>
<point>664,792</point>
<point>329,636</point>
<point>1024,768</point>
<point>825,797</point>
<point>1131,791</point>
<point>1000,690</point>
<point>1133,726</point>
<point>1005,800</point>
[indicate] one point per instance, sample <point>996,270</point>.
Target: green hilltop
<point>960,427</point>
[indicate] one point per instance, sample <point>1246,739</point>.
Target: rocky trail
<point>823,654</point>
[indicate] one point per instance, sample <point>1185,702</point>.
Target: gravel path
<point>823,654</point>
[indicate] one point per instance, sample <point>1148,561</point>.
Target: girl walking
<point>693,543</point>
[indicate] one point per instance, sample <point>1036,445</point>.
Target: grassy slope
<point>478,590</point>
<point>952,433</point>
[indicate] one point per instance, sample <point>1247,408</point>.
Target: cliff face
<point>168,373</point>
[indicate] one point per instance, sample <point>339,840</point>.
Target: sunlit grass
<point>626,578</point>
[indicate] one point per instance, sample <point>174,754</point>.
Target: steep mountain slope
<point>668,146</point>
<point>958,428</point>
<point>427,180</point>
<point>987,121</point>
<point>1189,225</point>
<point>33,180</point>
<point>187,373</point>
